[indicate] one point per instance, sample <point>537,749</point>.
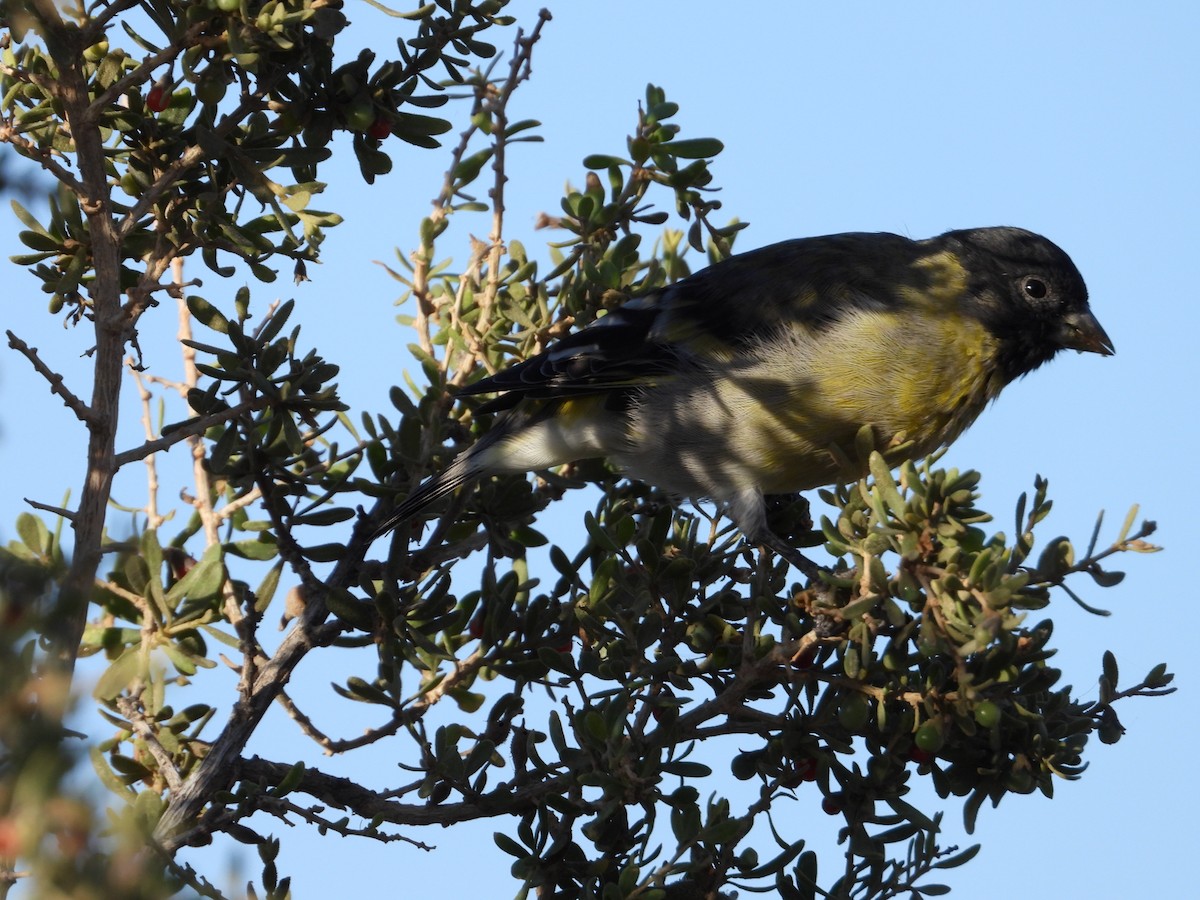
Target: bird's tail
<point>462,471</point>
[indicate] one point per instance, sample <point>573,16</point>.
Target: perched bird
<point>754,376</point>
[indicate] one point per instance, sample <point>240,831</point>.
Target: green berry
<point>987,714</point>
<point>854,712</point>
<point>360,116</point>
<point>929,736</point>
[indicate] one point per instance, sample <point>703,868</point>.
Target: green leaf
<point>297,201</point>
<point>107,776</point>
<point>351,610</point>
<point>1111,672</point>
<point>685,769</point>
<point>207,314</point>
<point>290,781</point>
<point>324,517</point>
<point>33,533</point>
<point>118,676</point>
<point>603,161</point>
<point>276,322</point>
<point>1056,559</point>
<point>885,485</point>
<point>509,846</point>
<point>1159,677</point>
<point>261,548</point>
<point>468,170</point>
<point>181,660</point>
<point>266,589</point>
<point>958,859</point>
<point>324,552</point>
<point>1105,579</point>
<point>27,218</point>
<point>468,701</point>
<point>696,148</point>
<point>40,242</point>
<point>202,580</point>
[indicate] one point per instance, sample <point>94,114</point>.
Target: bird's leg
<point>769,539</point>
<point>782,518</point>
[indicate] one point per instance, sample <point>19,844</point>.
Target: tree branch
<point>344,793</point>
<point>42,155</point>
<point>71,89</point>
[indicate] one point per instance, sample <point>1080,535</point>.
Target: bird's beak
<point>1081,331</point>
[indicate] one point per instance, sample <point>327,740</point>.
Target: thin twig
<point>42,155</point>
<point>137,600</point>
<point>153,519</point>
<point>53,510</point>
<point>166,765</point>
<point>82,411</point>
<point>251,496</point>
<point>312,815</point>
<point>189,430</point>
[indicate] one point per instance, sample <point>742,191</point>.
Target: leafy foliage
<point>585,707</point>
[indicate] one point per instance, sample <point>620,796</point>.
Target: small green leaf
<point>107,776</point>
<point>696,148</point>
<point>603,161</point>
<point>261,549</point>
<point>184,663</point>
<point>207,314</point>
<point>202,580</point>
<point>1105,579</point>
<point>1111,672</point>
<point>118,675</point>
<point>468,701</point>
<point>958,859</point>
<point>33,533</point>
<point>290,781</point>
<point>509,846</point>
<point>686,769</point>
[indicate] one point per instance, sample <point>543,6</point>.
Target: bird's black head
<point>1029,294</point>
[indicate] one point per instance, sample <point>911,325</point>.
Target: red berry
<point>157,99</point>
<point>832,805</point>
<point>805,658</point>
<point>10,839</point>
<point>919,756</point>
<point>802,770</point>
<point>380,129</point>
<point>475,626</point>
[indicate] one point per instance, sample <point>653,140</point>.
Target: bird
<point>752,377</point>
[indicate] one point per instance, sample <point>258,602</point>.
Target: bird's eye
<point>1035,288</point>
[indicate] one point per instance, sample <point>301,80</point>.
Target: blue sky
<point>1075,120</point>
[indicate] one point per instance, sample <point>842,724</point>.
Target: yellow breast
<point>913,378</point>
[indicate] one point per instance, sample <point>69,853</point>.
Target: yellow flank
<point>577,409</point>
<point>925,377</point>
